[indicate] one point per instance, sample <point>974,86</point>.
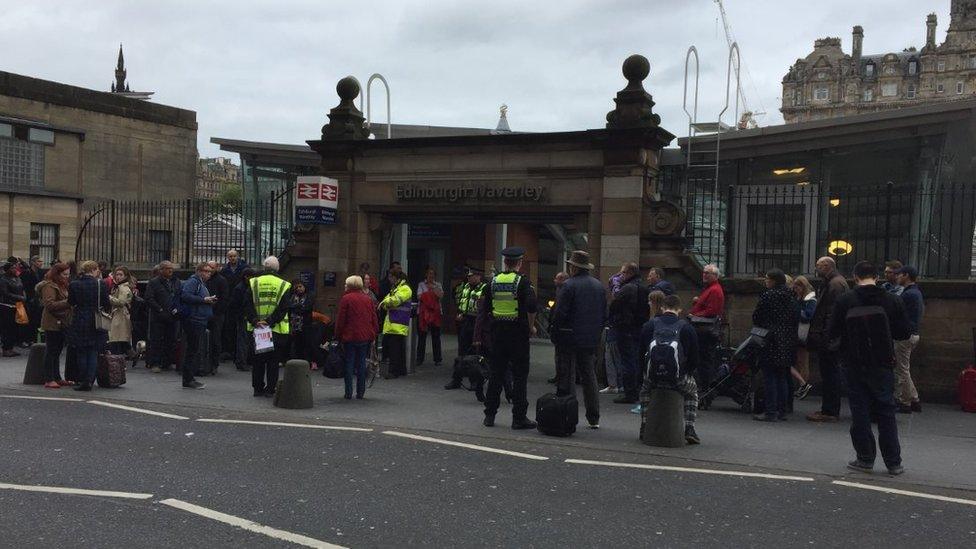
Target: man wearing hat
<point>578,319</point>
<point>905,392</point>
<point>468,296</point>
<point>509,306</point>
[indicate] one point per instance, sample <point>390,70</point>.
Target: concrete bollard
<point>34,372</point>
<point>294,391</point>
<point>662,420</point>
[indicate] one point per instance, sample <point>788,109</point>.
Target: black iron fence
<point>141,234</point>
<point>749,229</point>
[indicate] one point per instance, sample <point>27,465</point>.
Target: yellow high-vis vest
<point>504,301</point>
<point>267,291</point>
<point>398,310</point>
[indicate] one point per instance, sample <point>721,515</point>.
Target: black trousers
<point>264,366</point>
<point>9,329</point>
<point>216,327</point>
<point>707,342</point>
<point>831,383</point>
<point>578,362</point>
<point>52,355</point>
<point>871,397</point>
<point>435,339</point>
<point>395,348</point>
<point>162,343</point>
<point>509,354</point>
<point>465,336</point>
<point>196,335</point>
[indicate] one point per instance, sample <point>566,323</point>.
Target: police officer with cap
<point>509,306</point>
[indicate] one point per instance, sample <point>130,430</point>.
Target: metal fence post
<point>111,235</point>
<point>189,229</point>
<point>271,223</point>
<point>887,249</point>
<point>729,236</point>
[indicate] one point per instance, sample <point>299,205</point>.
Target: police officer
<point>509,306</point>
<point>468,296</point>
<point>396,325</point>
<point>266,306</point>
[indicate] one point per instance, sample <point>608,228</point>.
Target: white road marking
<point>689,470</point>
<point>73,491</point>
<point>904,492</point>
<point>139,410</point>
<point>282,424</point>
<point>248,525</point>
<point>61,399</point>
<point>465,445</point>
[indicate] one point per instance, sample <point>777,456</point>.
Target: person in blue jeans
<point>356,328</point>
<point>86,295</point>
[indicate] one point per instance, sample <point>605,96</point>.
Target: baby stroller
<point>735,375</point>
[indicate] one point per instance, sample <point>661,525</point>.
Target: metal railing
<point>140,234</point>
<point>749,229</point>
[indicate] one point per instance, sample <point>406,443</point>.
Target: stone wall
<point>946,340</point>
<point>17,212</point>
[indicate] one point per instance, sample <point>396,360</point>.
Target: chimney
<point>856,45</point>
<point>930,23</point>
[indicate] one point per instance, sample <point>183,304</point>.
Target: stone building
<point>213,174</point>
<point>62,146</point>
<point>829,83</point>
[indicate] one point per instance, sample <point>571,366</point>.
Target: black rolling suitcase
<point>557,415</point>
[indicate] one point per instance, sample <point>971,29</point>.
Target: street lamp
<point>839,248</point>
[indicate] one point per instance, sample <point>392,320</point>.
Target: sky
<point>266,70</point>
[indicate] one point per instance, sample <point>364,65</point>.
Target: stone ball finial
<point>636,68</point>
<point>348,88</point>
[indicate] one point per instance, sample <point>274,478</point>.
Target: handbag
<point>802,332</point>
<point>103,320</point>
<point>335,361</point>
<point>20,314</point>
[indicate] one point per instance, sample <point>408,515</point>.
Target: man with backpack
<point>864,325</point>
<point>669,347</point>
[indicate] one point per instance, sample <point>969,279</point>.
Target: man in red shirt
<point>705,316</point>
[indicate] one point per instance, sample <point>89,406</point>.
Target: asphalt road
<point>371,489</point>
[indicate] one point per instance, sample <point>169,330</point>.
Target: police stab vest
<point>468,302</point>
<point>504,290</point>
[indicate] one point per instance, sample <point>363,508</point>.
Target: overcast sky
<point>266,70</point>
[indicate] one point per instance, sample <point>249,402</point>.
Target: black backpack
<point>665,356</point>
<point>869,338</point>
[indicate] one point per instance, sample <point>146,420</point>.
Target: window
<point>160,246</point>
<point>821,94</point>
<point>889,90</point>
<point>971,61</point>
<point>44,241</point>
<point>6,130</point>
<point>913,68</point>
<point>959,88</point>
<point>38,135</point>
<point>21,165</point>
<point>940,88</point>
<point>869,95</point>
<point>940,66</point>
<point>911,91</point>
<point>869,70</point>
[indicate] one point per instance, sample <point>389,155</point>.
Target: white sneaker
<point>609,390</point>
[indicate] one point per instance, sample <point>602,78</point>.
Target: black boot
<point>523,423</point>
<point>489,420</point>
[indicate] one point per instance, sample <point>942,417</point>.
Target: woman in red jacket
<point>356,328</point>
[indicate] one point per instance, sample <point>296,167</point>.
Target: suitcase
<point>557,415</point>
<point>34,373</point>
<point>111,370</point>
<point>967,389</point>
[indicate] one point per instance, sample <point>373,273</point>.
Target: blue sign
<point>315,214</point>
<point>308,279</point>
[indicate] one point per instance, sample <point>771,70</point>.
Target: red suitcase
<point>967,389</point>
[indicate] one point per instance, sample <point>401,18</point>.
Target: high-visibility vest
<point>398,310</point>
<point>267,291</point>
<point>504,290</point>
<point>468,299</point>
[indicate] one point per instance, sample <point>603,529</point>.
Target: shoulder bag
<point>103,320</point>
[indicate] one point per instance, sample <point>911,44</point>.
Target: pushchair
<point>735,375</point>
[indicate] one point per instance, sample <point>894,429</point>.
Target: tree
<point>231,197</point>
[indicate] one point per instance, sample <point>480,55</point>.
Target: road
<point>303,486</point>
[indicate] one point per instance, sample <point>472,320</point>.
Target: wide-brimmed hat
<point>580,259</point>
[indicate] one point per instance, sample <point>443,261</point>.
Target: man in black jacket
<point>688,341</point>
<point>869,358</point>
<point>628,313</point>
<point>578,321</point>
<point>235,316</point>
<point>819,341</point>
<point>160,291</point>
<point>219,288</point>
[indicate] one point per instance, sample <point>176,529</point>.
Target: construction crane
<point>748,118</point>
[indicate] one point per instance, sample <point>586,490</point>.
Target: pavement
<point>190,483</point>
<point>938,445</point>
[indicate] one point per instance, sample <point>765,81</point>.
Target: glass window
<point>6,130</point>
<point>869,95</point>
<point>940,66</point>
<point>44,241</point>
<point>821,94</point>
<point>21,164</point>
<point>38,135</point>
<point>959,87</point>
<point>160,246</point>
<point>913,67</point>
<point>889,90</point>
<point>869,70</point>
<point>911,91</point>
<point>940,88</point>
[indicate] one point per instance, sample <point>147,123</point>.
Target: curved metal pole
<point>693,115</point>
<point>389,118</point>
<point>733,49</point>
<point>81,232</point>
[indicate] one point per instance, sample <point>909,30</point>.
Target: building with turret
<point>829,83</point>
<point>120,86</point>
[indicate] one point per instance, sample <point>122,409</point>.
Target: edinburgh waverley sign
<point>456,193</point>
